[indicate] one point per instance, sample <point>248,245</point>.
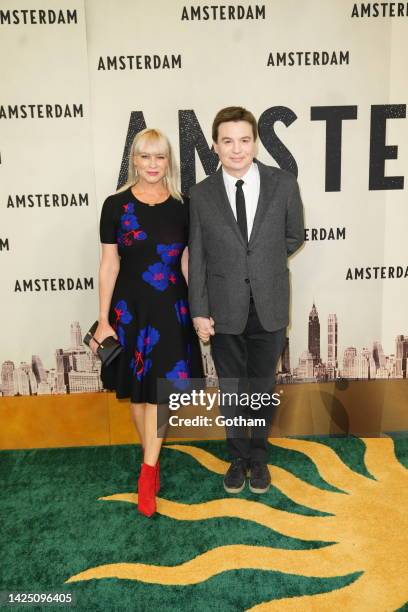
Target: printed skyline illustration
<point>77,369</point>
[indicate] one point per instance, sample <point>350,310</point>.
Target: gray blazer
<point>222,268</point>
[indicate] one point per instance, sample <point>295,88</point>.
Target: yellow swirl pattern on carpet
<point>366,531</point>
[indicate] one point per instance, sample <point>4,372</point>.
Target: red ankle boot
<point>146,489</point>
<point>157,472</point>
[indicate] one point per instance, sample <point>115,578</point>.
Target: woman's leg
<point>152,442</point>
<point>137,412</point>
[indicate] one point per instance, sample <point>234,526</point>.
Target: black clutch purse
<point>108,349</point>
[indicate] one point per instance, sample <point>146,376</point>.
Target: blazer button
<point>247,280</point>
<point>248,252</point>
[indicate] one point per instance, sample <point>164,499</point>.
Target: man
<point>245,221</point>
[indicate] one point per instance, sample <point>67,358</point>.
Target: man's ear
<point>215,147</point>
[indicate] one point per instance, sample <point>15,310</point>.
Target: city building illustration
<point>77,369</point>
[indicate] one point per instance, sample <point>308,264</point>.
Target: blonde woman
<point>143,294</point>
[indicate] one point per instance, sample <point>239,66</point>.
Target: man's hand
<point>204,327</point>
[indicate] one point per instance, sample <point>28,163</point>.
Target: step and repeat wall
<point>327,82</point>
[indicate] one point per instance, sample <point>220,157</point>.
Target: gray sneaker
<point>260,478</point>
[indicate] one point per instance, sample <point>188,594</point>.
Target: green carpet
<point>54,526</point>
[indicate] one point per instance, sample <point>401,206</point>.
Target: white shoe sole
<point>254,490</point>
<point>234,491</point>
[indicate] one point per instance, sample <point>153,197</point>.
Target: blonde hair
<point>157,137</point>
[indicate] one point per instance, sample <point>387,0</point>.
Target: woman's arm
<point>108,272</point>
<point>184,264</point>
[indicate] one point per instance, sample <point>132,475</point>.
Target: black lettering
<point>270,140</point>
<point>379,151</point>
<point>89,284</point>
<point>83,199</point>
<point>260,12</point>
<point>281,59</point>
<point>78,110</point>
<point>72,16</point>
<point>192,139</point>
<point>334,116</point>
<point>365,10</point>
<point>13,112</point>
<point>344,57</point>
<point>111,63</point>
<point>5,17</point>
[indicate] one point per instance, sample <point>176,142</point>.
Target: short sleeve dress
<point>149,307</point>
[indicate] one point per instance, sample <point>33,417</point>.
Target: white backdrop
<point>221,62</point>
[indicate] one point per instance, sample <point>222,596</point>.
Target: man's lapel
<point>266,190</point>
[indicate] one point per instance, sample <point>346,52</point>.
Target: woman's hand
<point>102,331</point>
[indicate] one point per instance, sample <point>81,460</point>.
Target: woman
<point>143,294</point>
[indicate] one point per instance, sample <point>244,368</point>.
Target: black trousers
<point>246,364</point>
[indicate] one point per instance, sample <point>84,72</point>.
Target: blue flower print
<point>170,253</point>
<point>160,276</point>
<point>122,314</point>
<point>130,228</point>
<point>180,375</point>
<point>129,207</point>
<point>146,340</point>
<point>182,312</point>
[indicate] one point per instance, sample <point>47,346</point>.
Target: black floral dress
<point>149,308</point>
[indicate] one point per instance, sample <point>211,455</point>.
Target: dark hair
<point>233,113</point>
